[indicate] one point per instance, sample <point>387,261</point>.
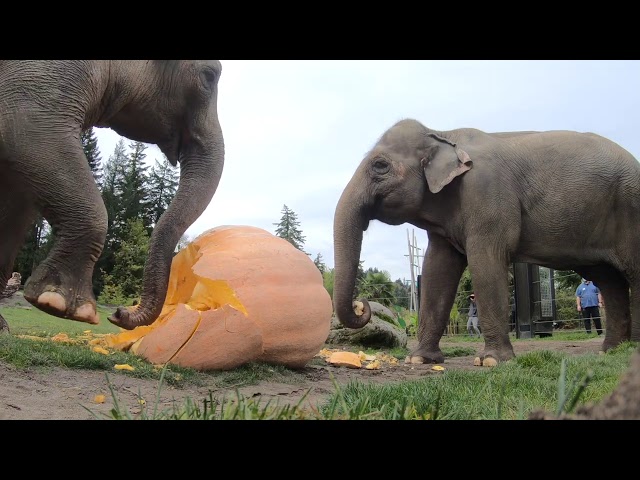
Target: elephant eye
<point>381,166</point>
<point>208,77</point>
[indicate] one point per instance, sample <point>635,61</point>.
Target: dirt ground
<point>64,394</point>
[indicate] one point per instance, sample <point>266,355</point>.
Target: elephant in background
<point>560,199</point>
<point>44,107</point>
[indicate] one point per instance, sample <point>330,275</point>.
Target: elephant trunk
<point>350,221</point>
<point>200,171</point>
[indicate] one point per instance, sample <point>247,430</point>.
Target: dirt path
<point>63,394</point>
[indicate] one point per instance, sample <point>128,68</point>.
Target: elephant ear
<point>445,164</point>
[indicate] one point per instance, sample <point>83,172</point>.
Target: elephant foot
<point>484,362</point>
<point>491,358</point>
<point>609,343</point>
<point>47,291</point>
<point>130,317</point>
<point>55,304</point>
<point>424,355</point>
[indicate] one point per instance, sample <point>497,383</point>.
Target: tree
<point>163,184</point>
<point>402,293</point>
<point>130,258</point>
<point>288,228</point>
<point>134,189</point>
<point>113,177</point>
<point>36,247</point>
<point>359,278</point>
<point>465,287</point>
<point>566,280</point>
<point>378,287</point>
<point>319,263</point>
<point>92,152</point>
<point>327,280</point>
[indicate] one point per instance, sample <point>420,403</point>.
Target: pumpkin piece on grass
<point>345,359</point>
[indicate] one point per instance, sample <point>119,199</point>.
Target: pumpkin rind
<point>184,343</point>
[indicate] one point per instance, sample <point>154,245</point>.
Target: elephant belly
<point>574,235</point>
<point>564,256</point>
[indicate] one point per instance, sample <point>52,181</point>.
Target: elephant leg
<point>62,284</point>
<point>490,276</point>
<point>16,214</point>
<point>634,335</point>
<point>615,293</point>
<point>441,271</point>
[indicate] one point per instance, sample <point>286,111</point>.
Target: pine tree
<point>113,176</point>
<point>36,247</point>
<point>92,152</point>
<point>163,184</point>
<point>288,229</point>
<point>320,263</point>
<point>134,189</point>
<point>130,258</point>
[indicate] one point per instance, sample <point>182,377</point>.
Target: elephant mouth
<point>368,213</point>
<point>184,141</point>
<point>178,148</point>
<point>172,149</point>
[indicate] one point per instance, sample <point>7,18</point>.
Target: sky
<point>296,130</point>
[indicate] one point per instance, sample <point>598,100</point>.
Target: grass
<point>211,408</point>
<point>539,379</point>
<point>27,320</point>
<point>542,379</point>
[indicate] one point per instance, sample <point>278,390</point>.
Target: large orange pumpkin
<point>237,294</point>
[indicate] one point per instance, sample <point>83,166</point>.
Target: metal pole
<point>412,305</point>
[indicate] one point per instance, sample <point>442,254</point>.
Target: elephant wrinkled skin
<point>44,108</point>
<point>560,199</point>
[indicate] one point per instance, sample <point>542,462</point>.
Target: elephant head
<point>172,103</point>
<point>404,171</point>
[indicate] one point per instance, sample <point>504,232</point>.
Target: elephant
<point>559,199</point>
<point>44,108</point>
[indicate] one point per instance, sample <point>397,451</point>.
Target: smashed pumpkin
<point>236,294</point>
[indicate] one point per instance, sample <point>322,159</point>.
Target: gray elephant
<point>561,199</point>
<point>44,107</point>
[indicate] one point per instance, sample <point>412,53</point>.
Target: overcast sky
<point>295,131</point>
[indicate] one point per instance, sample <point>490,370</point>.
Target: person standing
<point>588,301</point>
<point>472,322</point>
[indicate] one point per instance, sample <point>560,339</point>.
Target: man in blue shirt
<point>588,299</point>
